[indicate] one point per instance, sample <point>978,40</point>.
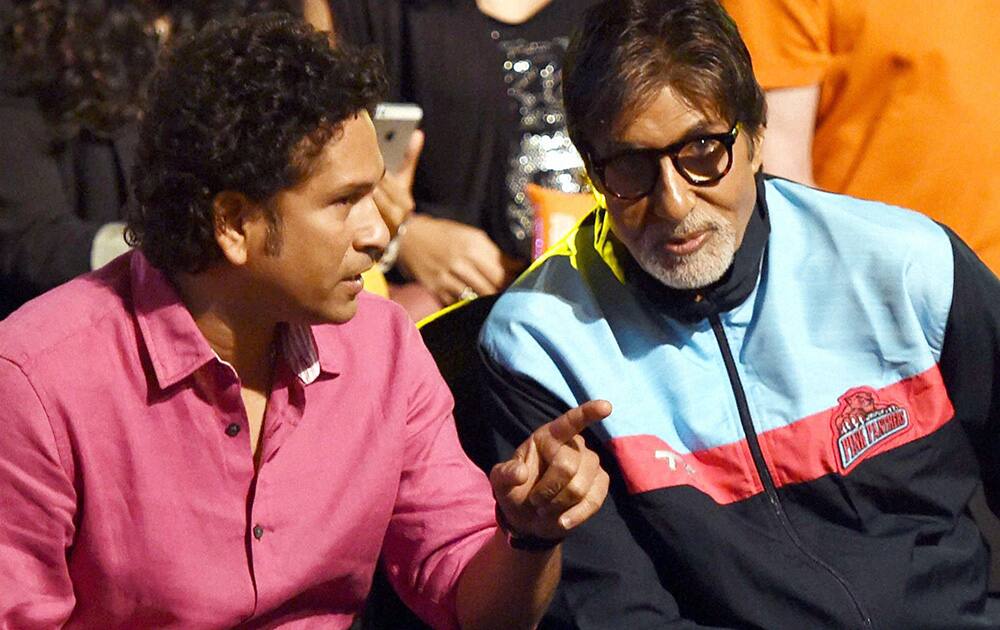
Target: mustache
<point>696,221</point>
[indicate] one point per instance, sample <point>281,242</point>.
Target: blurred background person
<point>70,84</point>
<point>890,100</point>
<point>488,77</point>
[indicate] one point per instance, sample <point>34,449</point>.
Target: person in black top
<point>488,76</point>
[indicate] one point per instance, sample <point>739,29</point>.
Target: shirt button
<point>258,532</point>
<point>233,430</point>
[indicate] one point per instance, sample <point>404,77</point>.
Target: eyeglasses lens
<point>703,160</point>
<point>632,175</point>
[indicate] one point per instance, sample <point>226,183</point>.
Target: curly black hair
<point>241,106</point>
<point>85,61</point>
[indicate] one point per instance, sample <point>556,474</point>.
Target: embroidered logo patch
<point>862,422</point>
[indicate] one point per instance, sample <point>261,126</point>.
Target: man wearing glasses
<point>806,385</point>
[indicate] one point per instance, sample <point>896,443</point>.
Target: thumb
<point>411,157</point>
<point>507,475</point>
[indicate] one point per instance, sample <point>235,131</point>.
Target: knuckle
<point>545,494</point>
<point>564,466</point>
<point>577,490</point>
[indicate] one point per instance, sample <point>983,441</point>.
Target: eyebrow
<point>699,129</point>
<point>355,188</point>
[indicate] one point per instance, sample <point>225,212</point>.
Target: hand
<point>553,482</point>
<point>394,194</point>
<point>448,257</point>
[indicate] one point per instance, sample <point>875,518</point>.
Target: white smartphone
<point>394,122</point>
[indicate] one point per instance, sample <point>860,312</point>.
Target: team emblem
<point>862,422</point>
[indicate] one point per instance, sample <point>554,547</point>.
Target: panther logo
<point>861,422</point>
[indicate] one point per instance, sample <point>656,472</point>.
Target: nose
<point>674,197</point>
<point>371,233</point>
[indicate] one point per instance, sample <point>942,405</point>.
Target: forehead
<point>349,157</point>
<point>663,117</point>
<point>658,120</point>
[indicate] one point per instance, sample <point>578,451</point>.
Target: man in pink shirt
<point>220,428</point>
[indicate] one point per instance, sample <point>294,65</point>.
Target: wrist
<point>524,542</point>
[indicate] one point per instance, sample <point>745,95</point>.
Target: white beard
<point>691,271</point>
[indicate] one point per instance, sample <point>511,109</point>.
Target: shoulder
<point>890,255</point>
<point>84,310</point>
<point>379,323</point>
<point>380,341</point>
<point>893,232</point>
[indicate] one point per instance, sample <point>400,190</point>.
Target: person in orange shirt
<point>891,100</point>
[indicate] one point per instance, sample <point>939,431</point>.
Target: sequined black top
<point>492,106</point>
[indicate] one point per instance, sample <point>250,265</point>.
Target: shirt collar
<point>298,347</point>
<point>176,346</point>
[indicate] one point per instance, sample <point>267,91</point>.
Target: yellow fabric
<point>375,282</point>
<point>908,98</point>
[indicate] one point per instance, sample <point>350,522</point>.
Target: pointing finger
<point>553,435</point>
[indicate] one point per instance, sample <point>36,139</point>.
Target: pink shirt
<point>127,489</point>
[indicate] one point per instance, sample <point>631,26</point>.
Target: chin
<point>331,314</point>
<point>694,273</point>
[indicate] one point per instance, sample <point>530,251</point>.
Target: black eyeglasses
<point>633,174</point>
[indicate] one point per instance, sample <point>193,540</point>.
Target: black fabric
<point>970,360</point>
<point>55,193</point>
<point>443,55</point>
<point>970,366</point>
<point>453,342</point>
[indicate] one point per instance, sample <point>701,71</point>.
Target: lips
<point>687,244</point>
<point>355,284</point>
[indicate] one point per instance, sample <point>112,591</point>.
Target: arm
<point>608,579</point>
<point>447,257</point>
<point>38,504</point>
<point>788,139</point>
<point>443,255</point>
<point>790,44</point>
<point>970,360</point>
<point>551,484</point>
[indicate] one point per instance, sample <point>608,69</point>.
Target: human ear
<point>233,216</point>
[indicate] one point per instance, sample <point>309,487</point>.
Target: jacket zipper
<point>764,472</point>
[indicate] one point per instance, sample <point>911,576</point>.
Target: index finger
<point>553,435</point>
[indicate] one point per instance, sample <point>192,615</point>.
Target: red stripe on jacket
<point>864,423</point>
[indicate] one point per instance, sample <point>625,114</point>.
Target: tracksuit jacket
<point>794,446</point>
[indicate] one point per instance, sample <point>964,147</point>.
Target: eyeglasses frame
<point>726,138</point>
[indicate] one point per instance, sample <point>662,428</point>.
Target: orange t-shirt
<point>909,99</point>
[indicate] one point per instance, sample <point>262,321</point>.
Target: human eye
<point>704,158</point>
<point>701,147</point>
